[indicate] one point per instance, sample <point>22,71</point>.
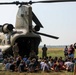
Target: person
<point>15,50</point>
<point>46,66</point>
<point>32,54</point>
<point>71,51</point>
<point>22,66</point>
<point>69,65</point>
<point>44,51</point>
<point>1,55</point>
<point>66,51</point>
<point>75,45</point>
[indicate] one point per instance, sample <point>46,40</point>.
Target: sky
<point>58,19</point>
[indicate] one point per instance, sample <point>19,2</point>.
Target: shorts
<point>71,55</point>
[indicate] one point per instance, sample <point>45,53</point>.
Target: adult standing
<point>75,45</point>
<point>74,48</point>
<point>66,51</point>
<point>15,50</point>
<point>71,51</point>
<point>44,51</point>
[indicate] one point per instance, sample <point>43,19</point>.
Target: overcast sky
<point>58,19</point>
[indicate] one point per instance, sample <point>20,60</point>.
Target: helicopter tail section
<point>24,18</point>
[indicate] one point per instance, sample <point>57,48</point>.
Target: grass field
<point>41,73</point>
<point>50,52</point>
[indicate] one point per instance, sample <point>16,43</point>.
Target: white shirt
<point>68,63</point>
<point>42,64</point>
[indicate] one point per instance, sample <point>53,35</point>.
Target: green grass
<point>40,73</point>
<point>53,52</point>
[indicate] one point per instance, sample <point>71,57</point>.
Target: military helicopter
<point>24,33</point>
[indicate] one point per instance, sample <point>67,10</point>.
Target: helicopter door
<point>26,44</point>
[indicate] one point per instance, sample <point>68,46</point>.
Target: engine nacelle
<point>7,28</point>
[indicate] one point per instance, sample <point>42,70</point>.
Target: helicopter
<point>24,33</point>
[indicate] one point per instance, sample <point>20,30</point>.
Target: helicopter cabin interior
<point>26,44</point>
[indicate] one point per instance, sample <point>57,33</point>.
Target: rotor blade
<point>30,2</point>
<point>17,3</point>
<point>53,1</point>
<point>5,3</point>
<point>46,35</point>
<point>35,19</point>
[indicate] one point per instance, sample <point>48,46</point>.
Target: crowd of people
<point>69,51</point>
<point>47,63</point>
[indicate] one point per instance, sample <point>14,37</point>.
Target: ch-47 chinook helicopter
<point>24,33</point>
